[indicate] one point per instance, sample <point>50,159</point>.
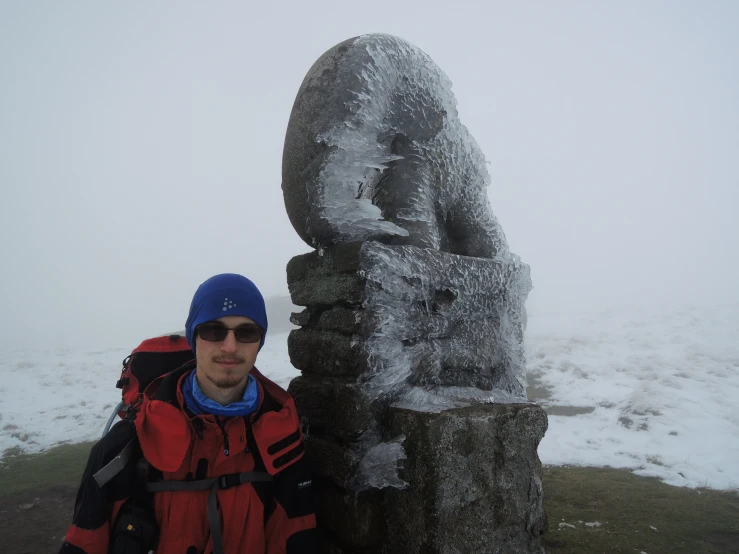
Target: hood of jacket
<point>166,429</point>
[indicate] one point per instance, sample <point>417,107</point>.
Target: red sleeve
<point>96,507</point>
<point>79,540</point>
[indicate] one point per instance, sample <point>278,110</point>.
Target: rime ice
<point>413,297</point>
<point>449,328</point>
<point>375,149</point>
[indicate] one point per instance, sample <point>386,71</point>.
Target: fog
<point>141,145</point>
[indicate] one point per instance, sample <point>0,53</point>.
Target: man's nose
<point>229,344</point>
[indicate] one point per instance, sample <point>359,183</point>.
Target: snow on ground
<point>652,390</point>
<point>657,391</point>
<point>65,396</point>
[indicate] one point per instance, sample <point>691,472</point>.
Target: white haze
<point>141,144</point>
<point>656,391</point>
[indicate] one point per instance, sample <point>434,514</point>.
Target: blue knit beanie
<point>222,295</point>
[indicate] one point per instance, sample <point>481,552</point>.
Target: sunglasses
<point>217,332</point>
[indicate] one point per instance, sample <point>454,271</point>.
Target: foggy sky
<point>141,145</point>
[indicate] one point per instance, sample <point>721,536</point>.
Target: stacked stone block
<point>472,472</point>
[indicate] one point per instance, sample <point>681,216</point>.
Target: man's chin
<point>227,381</point>
<point>226,384</point>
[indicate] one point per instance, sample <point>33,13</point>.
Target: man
<point>221,468</point>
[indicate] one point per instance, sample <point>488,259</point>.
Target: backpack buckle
<point>228,481</point>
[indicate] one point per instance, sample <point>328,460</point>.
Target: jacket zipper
<point>221,425</point>
<point>197,423</point>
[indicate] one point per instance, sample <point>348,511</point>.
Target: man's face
<point>226,363</point>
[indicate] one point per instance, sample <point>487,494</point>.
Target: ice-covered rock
<point>414,313</point>
<point>375,149</point>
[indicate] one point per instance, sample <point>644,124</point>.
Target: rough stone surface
<point>326,543</point>
<point>375,149</point>
<point>358,523</point>
<point>330,459</point>
<point>328,290</point>
<point>411,343</point>
<point>331,407</point>
<point>426,319</point>
<point>342,258</point>
<point>429,323</point>
<point>475,481</point>
<point>326,353</point>
<point>337,319</point>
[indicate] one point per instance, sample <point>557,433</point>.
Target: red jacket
<point>272,518</point>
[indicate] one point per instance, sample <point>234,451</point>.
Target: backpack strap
<point>117,464</point>
<point>143,495</point>
<point>264,490</point>
<point>144,492</point>
<point>214,484</point>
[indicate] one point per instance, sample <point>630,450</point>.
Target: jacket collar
<point>165,426</point>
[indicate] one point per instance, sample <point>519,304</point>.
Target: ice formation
<point>448,328</point>
<point>375,153</point>
<point>375,140</point>
<point>378,466</point>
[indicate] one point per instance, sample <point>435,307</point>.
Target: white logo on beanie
<point>228,304</point>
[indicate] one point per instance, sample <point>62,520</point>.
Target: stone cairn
<point>418,430</point>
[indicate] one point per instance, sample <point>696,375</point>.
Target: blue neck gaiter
<point>198,403</point>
